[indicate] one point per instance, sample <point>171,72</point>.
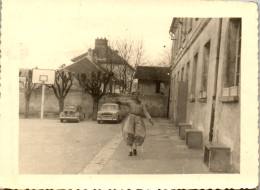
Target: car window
<point>72,108</point>
<point>109,107</point>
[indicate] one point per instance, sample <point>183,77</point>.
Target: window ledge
<point>229,99</point>
<point>192,99</point>
<point>202,100</point>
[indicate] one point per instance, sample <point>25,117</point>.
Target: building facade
<point>205,79</point>
<point>153,80</point>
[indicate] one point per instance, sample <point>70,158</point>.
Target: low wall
<point>156,104</point>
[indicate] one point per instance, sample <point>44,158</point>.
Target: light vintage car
<point>110,112</point>
<point>72,113</point>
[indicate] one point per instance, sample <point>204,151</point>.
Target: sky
<point>48,34</point>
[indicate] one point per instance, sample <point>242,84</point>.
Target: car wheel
<point>61,120</point>
<point>118,119</point>
<point>82,118</point>
<point>98,121</point>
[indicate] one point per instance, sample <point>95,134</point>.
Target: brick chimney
<point>100,43</point>
<point>90,54</point>
<point>101,48</point>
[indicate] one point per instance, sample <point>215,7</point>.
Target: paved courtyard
<point>50,147</point>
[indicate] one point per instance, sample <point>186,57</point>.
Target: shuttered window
<point>205,67</point>
<point>194,73</point>
<point>233,53</point>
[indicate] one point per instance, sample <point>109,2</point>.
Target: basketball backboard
<point>43,76</point>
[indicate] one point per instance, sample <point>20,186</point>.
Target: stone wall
<point>156,104</point>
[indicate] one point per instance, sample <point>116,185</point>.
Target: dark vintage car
<point>72,113</point>
<point>110,112</point>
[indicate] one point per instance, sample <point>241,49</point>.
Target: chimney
<point>90,54</point>
<point>101,46</point>
<point>100,42</point>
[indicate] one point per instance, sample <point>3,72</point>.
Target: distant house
<point>107,58</point>
<point>153,85</point>
<point>153,80</point>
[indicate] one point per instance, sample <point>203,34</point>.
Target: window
<point>205,67</point>
<point>184,29</point>
<point>176,45</point>
<point>194,73</point>
<point>157,87</point>
<point>187,71</point>
<point>189,25</point>
<point>180,32</point>
<point>182,73</point>
<point>232,70</point>
<point>233,53</point>
<point>179,37</point>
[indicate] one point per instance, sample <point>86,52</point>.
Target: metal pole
<point>42,106</point>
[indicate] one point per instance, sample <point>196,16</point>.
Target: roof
<point>79,57</point>
<point>115,58</point>
<point>85,65</point>
<point>153,73</point>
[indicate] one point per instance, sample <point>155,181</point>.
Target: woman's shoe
<point>130,153</point>
<point>135,152</point>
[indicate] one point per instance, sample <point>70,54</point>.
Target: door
<point>181,102</point>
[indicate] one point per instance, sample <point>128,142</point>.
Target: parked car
<point>72,113</point>
<point>110,112</point>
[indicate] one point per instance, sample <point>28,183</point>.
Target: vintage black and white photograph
<point>127,93</point>
<point>113,109</point>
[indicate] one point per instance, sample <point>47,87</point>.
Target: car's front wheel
<point>61,120</point>
<point>118,119</point>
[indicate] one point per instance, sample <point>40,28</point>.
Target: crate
<point>182,127</point>
<point>194,138</point>
<point>217,157</point>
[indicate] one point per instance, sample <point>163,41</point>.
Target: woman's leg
<point>130,150</point>
<point>134,149</point>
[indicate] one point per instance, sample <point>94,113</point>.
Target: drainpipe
<point>217,62</point>
<point>215,84</point>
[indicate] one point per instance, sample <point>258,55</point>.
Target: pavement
<point>163,152</point>
<point>50,147</point>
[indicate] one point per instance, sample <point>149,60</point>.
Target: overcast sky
<point>49,33</point>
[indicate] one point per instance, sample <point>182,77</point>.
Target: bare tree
<point>139,58</point>
<point>132,52</point>
<point>125,49</point>
<point>62,86</point>
<point>165,59</point>
<point>96,86</point>
<point>28,87</point>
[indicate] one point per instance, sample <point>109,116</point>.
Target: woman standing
<point>133,129</point>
